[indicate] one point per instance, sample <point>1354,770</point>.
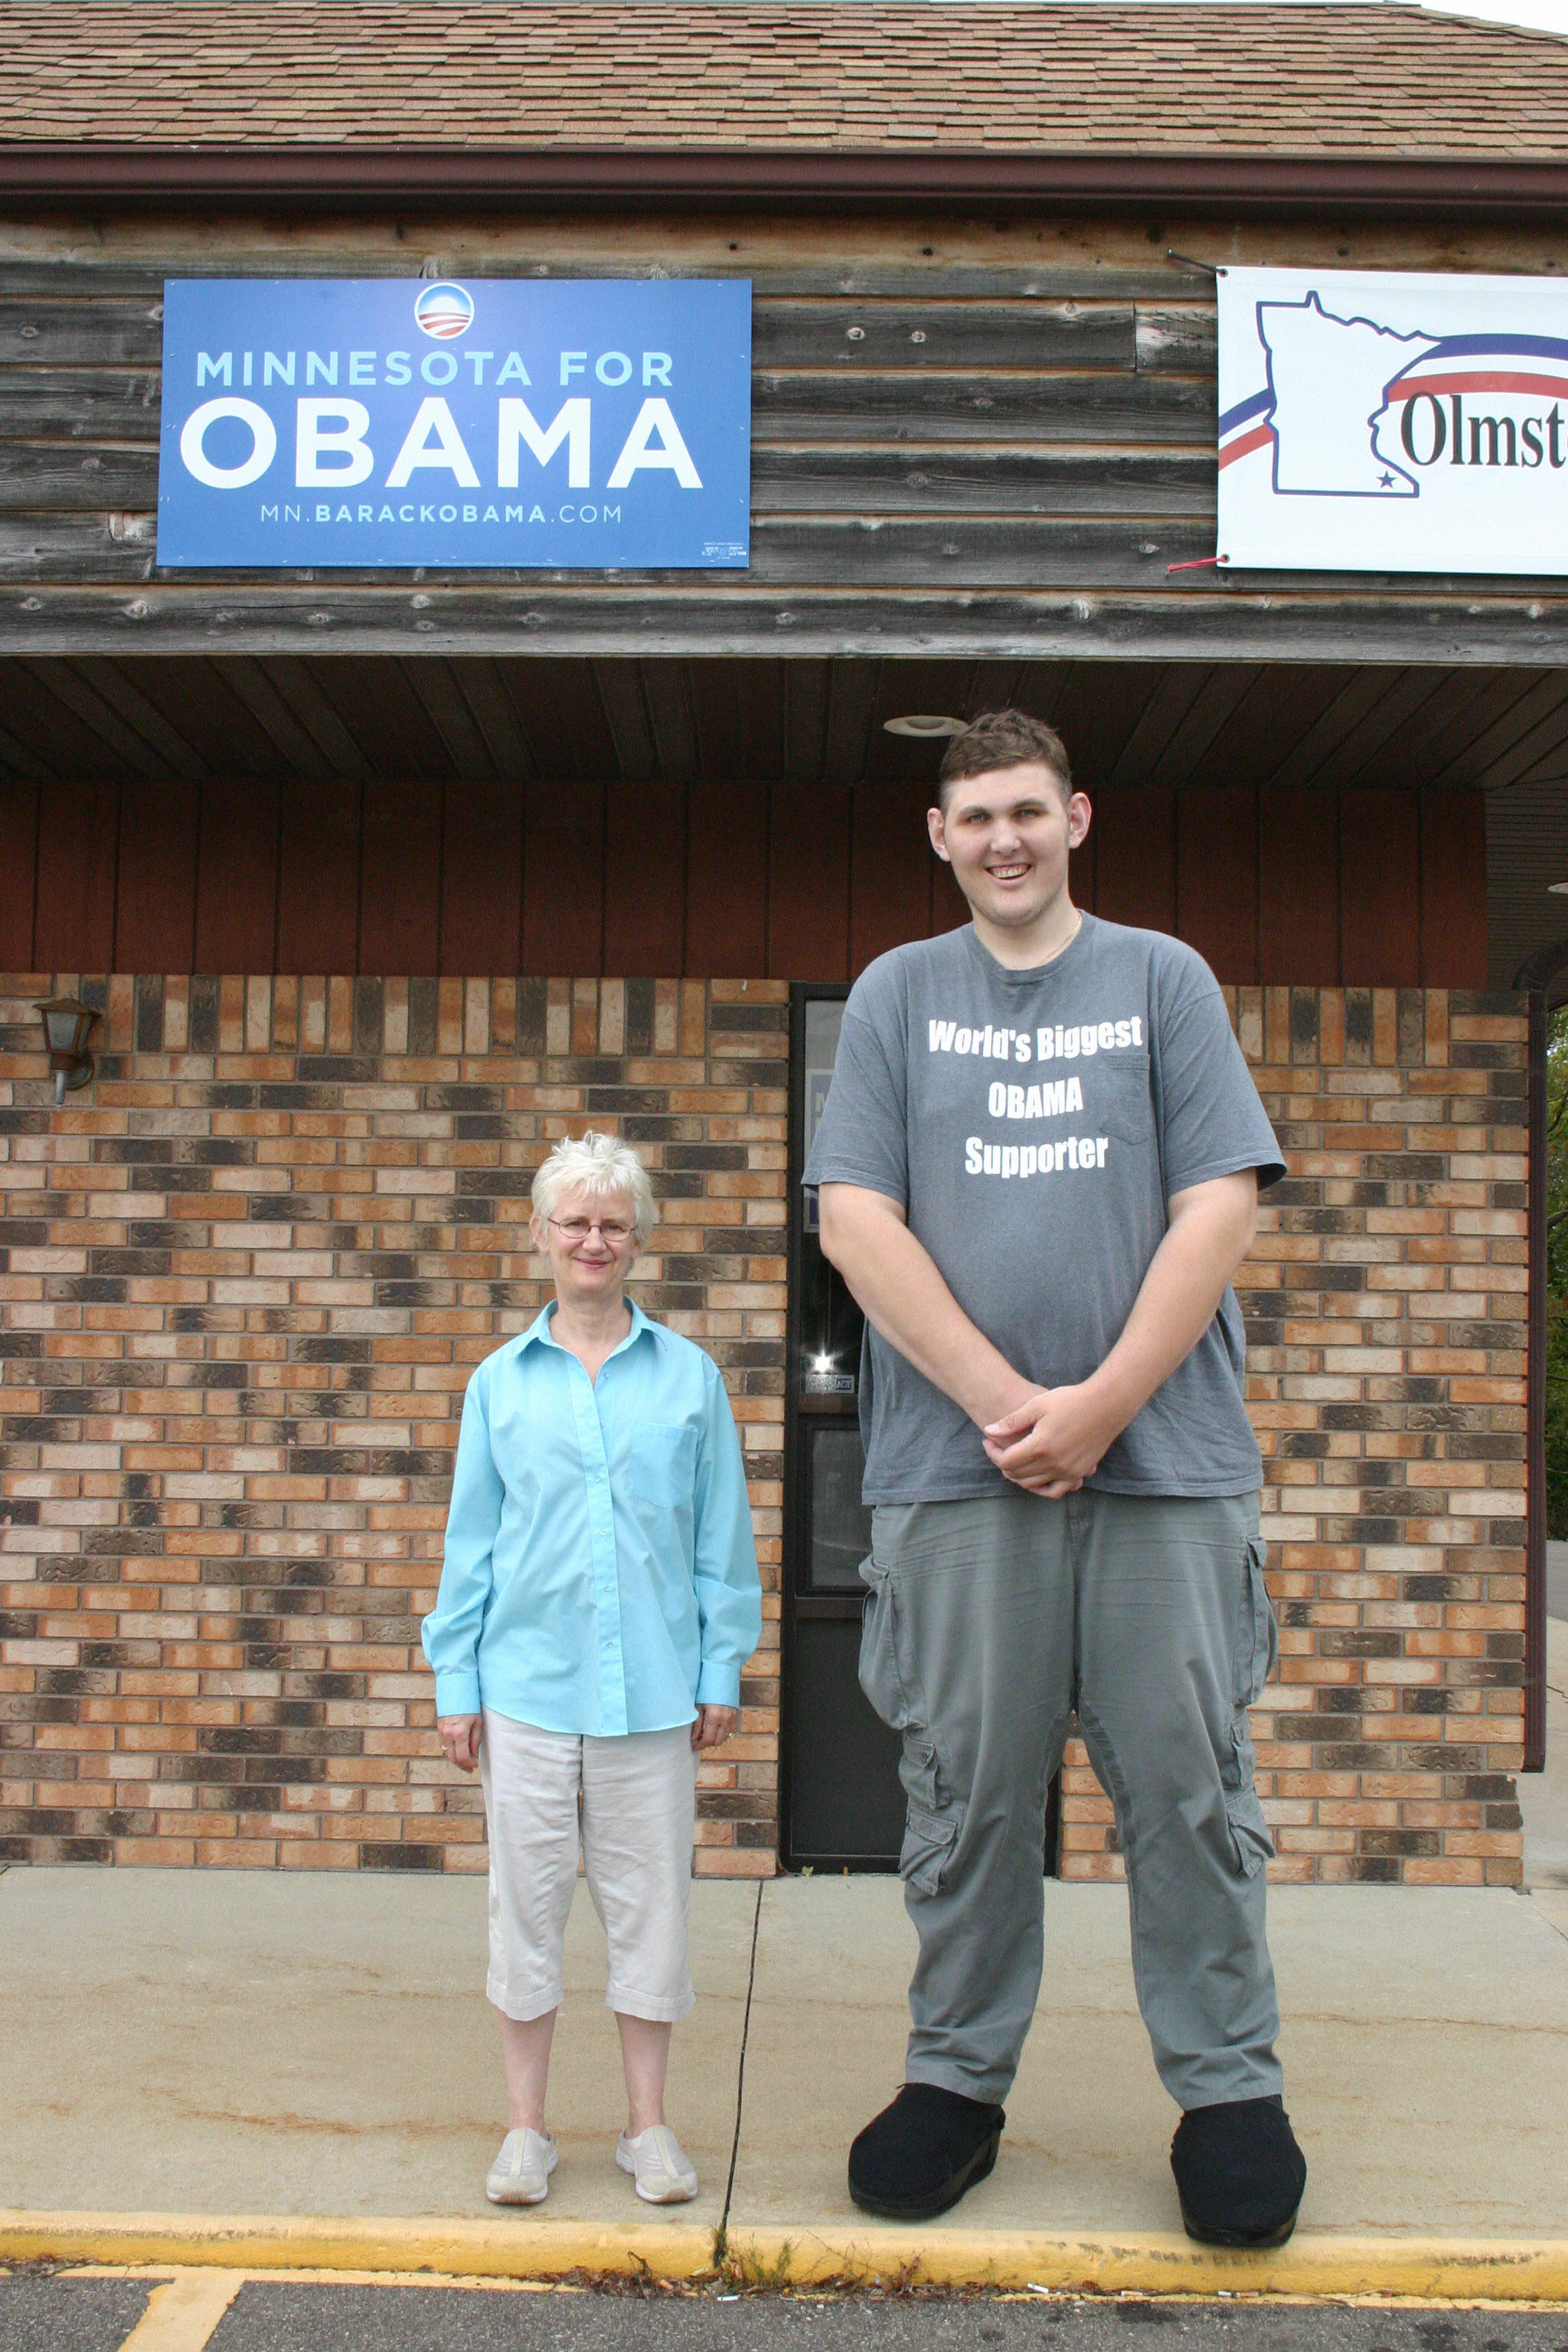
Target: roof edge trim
<point>36,176</point>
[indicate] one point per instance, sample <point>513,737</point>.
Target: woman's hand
<point>460,1739</point>
<point>713,1727</point>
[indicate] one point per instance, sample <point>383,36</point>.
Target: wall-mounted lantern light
<point>66,1021</point>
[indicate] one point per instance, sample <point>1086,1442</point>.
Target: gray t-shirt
<point>1033,1125</point>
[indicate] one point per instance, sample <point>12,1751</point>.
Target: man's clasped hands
<point>1055,1439</point>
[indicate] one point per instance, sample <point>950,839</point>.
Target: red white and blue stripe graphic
<point>1524,366</point>
<point>1243,429</point>
<point>1518,366</point>
<point>445,311</point>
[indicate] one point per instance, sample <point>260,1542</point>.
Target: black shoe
<point>1239,2173</point>
<point>919,2156</point>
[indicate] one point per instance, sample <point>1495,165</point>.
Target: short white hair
<point>598,1165</point>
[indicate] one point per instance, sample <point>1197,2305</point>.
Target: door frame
<point>794,1517</point>
<point>1543,980</point>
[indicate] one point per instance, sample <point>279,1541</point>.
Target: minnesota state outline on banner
<point>1390,421</point>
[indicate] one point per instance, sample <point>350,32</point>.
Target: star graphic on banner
<point>1387,483</point>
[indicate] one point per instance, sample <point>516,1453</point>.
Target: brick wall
<point>245,1275</point>
<point>244,1280</point>
<point>1386,1305</point>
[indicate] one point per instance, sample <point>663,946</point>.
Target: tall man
<point>1038,1167</point>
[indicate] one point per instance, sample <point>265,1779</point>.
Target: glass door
<point>843,1807</point>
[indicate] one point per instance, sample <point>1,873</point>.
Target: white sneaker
<point>658,2162</point>
<point>520,2173</point>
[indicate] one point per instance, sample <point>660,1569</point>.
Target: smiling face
<point>1007,835</point>
<point>586,1265</point>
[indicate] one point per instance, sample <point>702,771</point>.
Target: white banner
<point>1372,421</point>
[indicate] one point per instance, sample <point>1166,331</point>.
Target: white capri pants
<point>631,1804</point>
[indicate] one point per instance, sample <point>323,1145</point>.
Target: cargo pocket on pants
<point>1258,1629</point>
<point>1249,1838</point>
<point>929,1841</point>
<point>1255,1655</point>
<point>934,1816</point>
<point>879,1677</point>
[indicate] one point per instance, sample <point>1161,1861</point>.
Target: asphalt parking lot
<point>40,2312</point>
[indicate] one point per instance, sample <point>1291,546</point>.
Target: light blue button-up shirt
<point>600,1575</point>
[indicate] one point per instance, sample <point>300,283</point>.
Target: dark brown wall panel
<point>155,917</point>
<point>78,828</point>
<point>726,880</point>
<point>318,878</point>
<point>644,879</point>
<point>19,873</point>
<point>1299,887</point>
<point>1454,891</point>
<point>889,878</point>
<point>949,906</point>
<point>1136,828</point>
<point>1083,874</point>
<point>808,895</point>
<point>236,878</point>
<point>400,879</point>
<point>805,880</point>
<point>1380,881</point>
<point>481,880</point>
<point>564,878</point>
<point>1217,877</point>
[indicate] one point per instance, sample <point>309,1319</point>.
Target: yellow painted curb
<point>519,2247</point>
<point>1431,2269</point>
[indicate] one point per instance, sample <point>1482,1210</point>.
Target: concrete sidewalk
<point>207,2044</point>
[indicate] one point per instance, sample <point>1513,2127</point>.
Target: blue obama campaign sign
<point>585,425</point>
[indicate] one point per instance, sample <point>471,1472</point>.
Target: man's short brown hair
<point>1003,739</point>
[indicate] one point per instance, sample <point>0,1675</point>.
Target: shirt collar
<point>539,1330</point>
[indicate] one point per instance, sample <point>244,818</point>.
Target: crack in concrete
<point>720,2235</point>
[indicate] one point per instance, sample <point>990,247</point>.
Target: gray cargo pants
<point>988,1624</point>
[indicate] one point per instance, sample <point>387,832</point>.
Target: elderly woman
<point>599,1599</point>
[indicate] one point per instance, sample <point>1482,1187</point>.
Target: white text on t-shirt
<point>1057,1043</point>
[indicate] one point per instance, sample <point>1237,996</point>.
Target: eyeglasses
<point>575,1231</point>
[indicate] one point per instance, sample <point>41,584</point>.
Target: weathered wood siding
<point>788,880</point>
<point>948,459</point>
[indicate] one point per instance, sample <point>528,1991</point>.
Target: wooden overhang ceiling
<point>804,723</point>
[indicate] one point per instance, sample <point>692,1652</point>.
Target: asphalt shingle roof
<point>891,75</point>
